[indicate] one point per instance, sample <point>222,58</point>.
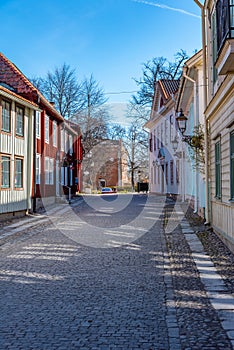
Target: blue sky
<point>109,38</point>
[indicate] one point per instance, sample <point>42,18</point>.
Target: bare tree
<point>62,88</point>
<point>92,115</point>
<point>135,141</point>
<point>116,132</point>
<point>154,70</point>
<point>137,112</point>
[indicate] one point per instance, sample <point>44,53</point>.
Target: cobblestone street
<point>121,277</point>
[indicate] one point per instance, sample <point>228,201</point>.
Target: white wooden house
<point>16,152</point>
<point>218,46</point>
<point>190,101</point>
<point>164,167</point>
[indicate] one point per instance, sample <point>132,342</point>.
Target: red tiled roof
<point>11,75</point>
<point>169,87</point>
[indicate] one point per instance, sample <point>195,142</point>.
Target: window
<point>150,142</point>
<point>158,138</point>
<point>232,18</point>
<point>6,116</point>
<point>62,176</point>
<point>166,172</point>
<point>54,133</point>
<point>70,144</point>
<point>5,167</point>
<point>47,129</point>
<point>38,169</point>
<point>155,174</point>
<point>177,171</point>
<point>18,173</point>
<point>172,172</point>
<point>19,123</point>
<point>218,169</point>
<point>62,140</point>
<point>162,135</point>
<point>166,135</point>
<point>66,177</point>
<point>38,124</point>
<point>232,164</point>
<point>49,171</point>
<point>66,142</point>
<point>171,128</point>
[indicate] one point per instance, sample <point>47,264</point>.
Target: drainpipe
<point>196,124</point>
<point>34,164</point>
<point>207,176</point>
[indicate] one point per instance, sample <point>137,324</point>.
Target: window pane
<point>51,171</point>
<point>38,169</point>
<point>19,121</point>
<point>47,129</point>
<point>47,174</point>
<point>5,183</point>
<point>19,173</point>
<point>6,116</point>
<point>38,124</point>
<point>54,133</point>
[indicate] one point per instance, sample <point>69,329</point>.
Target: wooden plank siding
<point>220,115</point>
<point>14,199</point>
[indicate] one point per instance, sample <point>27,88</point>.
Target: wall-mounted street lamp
<point>182,121</point>
<point>195,141</point>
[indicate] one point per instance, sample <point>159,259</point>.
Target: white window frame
<point>70,144</point>
<point>55,133</point>
<point>66,177</point>
<point>38,169</point>
<point>47,129</point>
<point>6,116</point>
<point>19,121</point>
<point>51,171</point>
<point>19,175</point>
<point>47,170</point>
<point>62,140</point>
<point>38,124</point>
<point>5,172</point>
<point>66,142</point>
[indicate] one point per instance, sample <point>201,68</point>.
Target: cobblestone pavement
<point>142,287</point>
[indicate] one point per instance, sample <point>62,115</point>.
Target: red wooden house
<point>49,128</point>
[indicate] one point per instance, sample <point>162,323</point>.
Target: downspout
<point>34,164</point>
<point>207,177</point>
<point>196,124</point>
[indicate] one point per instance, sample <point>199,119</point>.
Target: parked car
<point>108,190</point>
